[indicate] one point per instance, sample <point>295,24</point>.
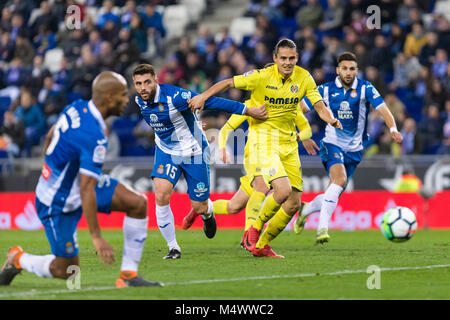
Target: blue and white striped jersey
<point>178,131</point>
<point>78,145</point>
<point>351,108</point>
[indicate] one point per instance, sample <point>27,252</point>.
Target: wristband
<point>393,129</point>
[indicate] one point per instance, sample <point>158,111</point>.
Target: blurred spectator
<point>446,80</point>
<point>310,15</point>
<point>405,71</point>
<point>14,77</point>
<point>156,31</point>
<point>38,72</point>
<point>24,50</point>
<point>439,67</point>
<point>106,14</point>
<point>44,17</point>
<point>85,72</point>
<point>6,47</point>
<point>72,49</point>
<point>5,20</point>
<point>45,40</point>
<point>310,57</point>
<point>403,12</point>
<point>33,120</point>
<point>127,12</point>
<point>183,50</point>
<point>17,26</point>
<point>332,17</point>
<point>350,7</point>
<point>412,140</point>
<point>51,100</point>
<point>428,51</point>
<point>12,134</point>
<point>22,7</point>
<point>107,57</point>
<point>127,50</point>
<point>415,40</point>
<point>380,56</point>
<point>95,42</point>
<point>138,32</point>
<point>431,129</point>
<point>398,38</point>
<point>445,147</point>
<point>358,22</point>
<point>396,107</point>
<point>435,94</point>
<point>145,136</point>
<point>362,55</point>
<point>223,39</point>
<point>171,73</point>
<point>63,77</point>
<point>372,74</point>
<point>204,36</point>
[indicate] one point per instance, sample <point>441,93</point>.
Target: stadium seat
<point>241,27</point>
<point>195,8</point>
<point>53,59</point>
<point>175,18</point>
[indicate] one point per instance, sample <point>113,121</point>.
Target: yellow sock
<point>220,206</point>
<point>276,225</point>
<point>253,208</point>
<point>268,210</point>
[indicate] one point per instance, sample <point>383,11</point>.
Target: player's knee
<point>340,181</point>
<point>162,198</point>
<point>281,194</point>
<point>139,207</point>
<point>62,269</point>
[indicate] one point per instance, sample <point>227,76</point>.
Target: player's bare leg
<point>338,181</point>
<point>164,216</point>
<point>135,225</point>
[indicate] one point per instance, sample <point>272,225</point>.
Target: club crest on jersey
<point>201,187</point>
<point>161,107</point>
<point>294,88</point>
<point>69,248</point>
<point>160,170</point>
<point>272,172</point>
<point>99,154</point>
<point>153,117</point>
<point>353,94</point>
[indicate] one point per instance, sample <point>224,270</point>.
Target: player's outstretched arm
<point>390,122</point>
<point>48,138</point>
<point>89,203</point>
<point>326,115</point>
<point>233,122</point>
<point>198,102</point>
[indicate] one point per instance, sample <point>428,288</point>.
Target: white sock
<point>313,206</point>
<point>208,213</point>
<point>39,265</point>
<point>134,236</point>
<point>166,224</point>
<point>329,203</point>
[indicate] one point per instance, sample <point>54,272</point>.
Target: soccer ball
<point>399,224</point>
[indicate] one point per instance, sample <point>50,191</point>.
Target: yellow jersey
<point>282,98</point>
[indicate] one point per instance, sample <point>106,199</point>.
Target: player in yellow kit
<point>273,152</point>
<point>238,202</point>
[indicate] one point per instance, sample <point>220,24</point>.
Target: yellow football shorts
<point>274,162</point>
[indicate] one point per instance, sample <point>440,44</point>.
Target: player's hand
<point>224,155</point>
<point>259,113</point>
<point>336,124</point>
<point>397,137</point>
<point>104,250</point>
<point>197,103</point>
<point>310,146</point>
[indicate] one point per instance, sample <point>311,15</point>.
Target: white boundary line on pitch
<point>34,292</point>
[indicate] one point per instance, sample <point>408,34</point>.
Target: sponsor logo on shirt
<point>153,117</point>
<point>186,95</point>
<point>282,101</point>
<point>344,111</point>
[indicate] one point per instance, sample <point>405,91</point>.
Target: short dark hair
<point>144,69</point>
<point>284,43</point>
<point>346,56</point>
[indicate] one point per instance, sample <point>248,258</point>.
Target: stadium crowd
<point>406,58</point>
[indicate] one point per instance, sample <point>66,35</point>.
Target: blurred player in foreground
<point>76,145</point>
<point>341,151</point>
<point>181,148</point>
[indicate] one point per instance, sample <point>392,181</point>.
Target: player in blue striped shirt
<point>181,148</point>
<point>349,98</point>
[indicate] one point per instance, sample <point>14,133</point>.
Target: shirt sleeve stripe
<point>89,173</point>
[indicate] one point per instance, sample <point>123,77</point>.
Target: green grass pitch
<point>219,269</point>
